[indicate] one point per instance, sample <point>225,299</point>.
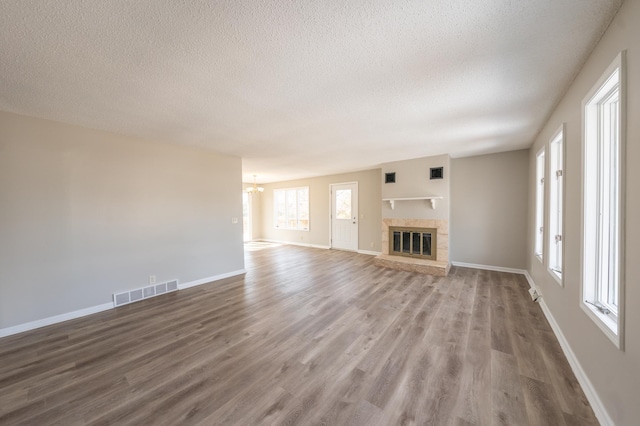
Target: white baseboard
<point>32,325</point>
<point>99,308</point>
<point>371,253</point>
<point>589,391</point>
<point>210,279</point>
<point>489,267</point>
<point>296,244</point>
<point>531,283</point>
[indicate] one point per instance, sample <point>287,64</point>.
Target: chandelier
<point>255,189</point>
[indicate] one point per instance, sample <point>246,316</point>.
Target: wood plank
<point>540,400</point>
<point>306,336</point>
<point>508,406</point>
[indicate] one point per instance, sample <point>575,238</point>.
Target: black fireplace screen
<point>414,242</point>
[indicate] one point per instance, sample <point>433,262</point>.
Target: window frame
<point>611,325</point>
<point>286,214</point>
<point>556,202</point>
<point>540,193</point>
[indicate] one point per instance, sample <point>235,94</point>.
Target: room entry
<point>344,216</point>
<point>246,217</point>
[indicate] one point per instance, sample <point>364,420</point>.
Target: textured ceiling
<point>300,88</point>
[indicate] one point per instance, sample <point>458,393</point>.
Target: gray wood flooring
<point>308,336</point>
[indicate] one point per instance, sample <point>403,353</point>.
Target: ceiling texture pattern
<point>300,88</point>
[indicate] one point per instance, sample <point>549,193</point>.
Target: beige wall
<point>412,180</point>
<point>85,214</point>
<point>489,196</point>
<point>320,207</point>
<point>614,374</point>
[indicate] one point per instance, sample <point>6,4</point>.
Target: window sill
<point>291,229</point>
<point>556,276</point>
<point>605,323</point>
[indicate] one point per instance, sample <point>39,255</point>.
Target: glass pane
<point>426,244</point>
<point>292,215</point>
<point>539,204</point>
<point>343,204</point>
<point>406,242</point>
<point>396,241</point>
<point>415,248</point>
<point>614,231</point>
<point>303,208</point>
<point>281,219</point>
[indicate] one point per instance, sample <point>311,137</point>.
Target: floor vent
<point>131,296</point>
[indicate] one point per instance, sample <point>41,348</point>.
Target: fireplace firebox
<point>413,242</point>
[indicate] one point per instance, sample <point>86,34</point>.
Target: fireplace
<point>415,245</point>
<point>420,243</point>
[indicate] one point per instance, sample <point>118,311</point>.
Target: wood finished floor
<point>308,336</point>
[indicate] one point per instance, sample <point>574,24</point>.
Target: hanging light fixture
<point>255,189</point>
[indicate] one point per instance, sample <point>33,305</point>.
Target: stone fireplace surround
<point>439,267</point>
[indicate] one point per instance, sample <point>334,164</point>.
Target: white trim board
<point>587,387</point>
<point>370,253</point>
<point>294,244</point>
<point>211,279</point>
<point>489,268</point>
<point>589,391</point>
<point>32,325</point>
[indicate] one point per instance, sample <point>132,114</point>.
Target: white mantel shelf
<point>392,201</point>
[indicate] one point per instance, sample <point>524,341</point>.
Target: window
<point>556,197</point>
<point>602,196</point>
<point>291,208</point>
<point>343,204</point>
<point>539,231</point>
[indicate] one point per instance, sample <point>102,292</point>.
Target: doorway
<point>344,216</point>
<point>247,233</point>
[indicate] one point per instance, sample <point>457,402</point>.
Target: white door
<point>344,216</point>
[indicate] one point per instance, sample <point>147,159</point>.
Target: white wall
<point>370,224</point>
<point>614,374</point>
<point>489,203</point>
<point>412,180</point>
<point>84,214</point>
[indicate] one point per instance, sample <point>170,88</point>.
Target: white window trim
<point>560,133</point>
<point>612,329</point>
<point>275,209</point>
<point>540,256</point>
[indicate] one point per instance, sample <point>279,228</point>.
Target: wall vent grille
<point>137,294</point>
<point>121,299</point>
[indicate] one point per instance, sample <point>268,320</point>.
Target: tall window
<point>603,181</point>
<point>291,208</point>
<point>539,231</point>
<point>556,178</point>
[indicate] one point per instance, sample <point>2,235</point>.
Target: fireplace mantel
<point>392,201</point>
